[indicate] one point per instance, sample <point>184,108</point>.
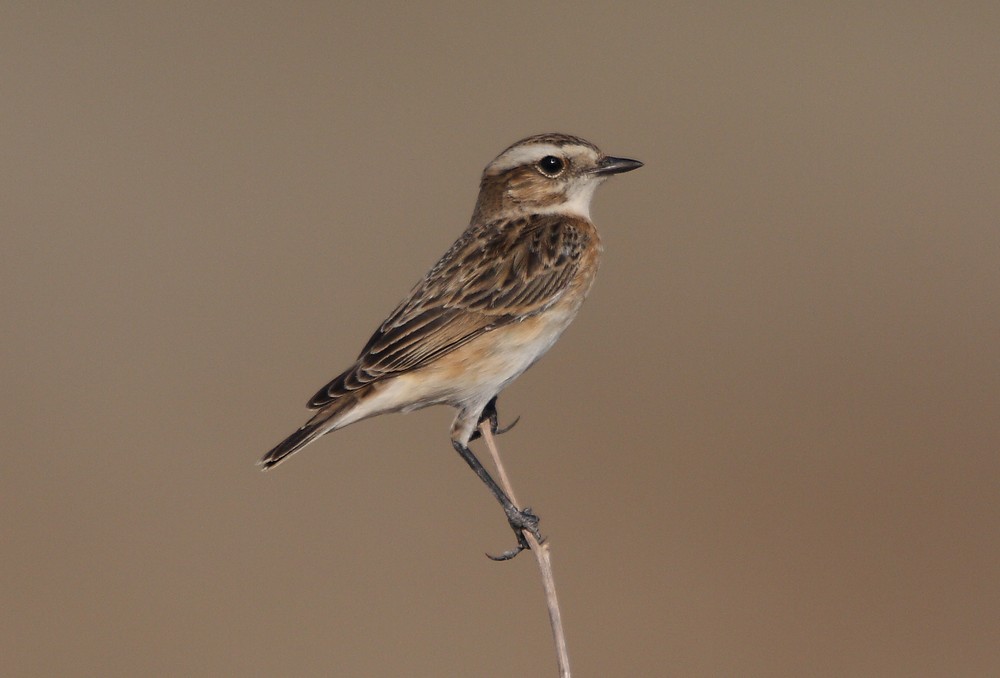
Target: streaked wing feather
<point>494,274</point>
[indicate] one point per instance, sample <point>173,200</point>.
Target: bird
<point>493,304</point>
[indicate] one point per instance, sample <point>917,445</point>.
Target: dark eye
<point>550,165</point>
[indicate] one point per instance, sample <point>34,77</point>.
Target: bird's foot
<point>520,520</point>
<point>489,414</point>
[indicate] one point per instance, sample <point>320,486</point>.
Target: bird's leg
<point>489,414</point>
<point>519,519</point>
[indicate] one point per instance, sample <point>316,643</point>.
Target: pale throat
<point>577,201</point>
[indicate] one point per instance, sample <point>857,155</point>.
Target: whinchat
<point>487,310</point>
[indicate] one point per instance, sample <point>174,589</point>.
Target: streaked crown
<point>546,173</point>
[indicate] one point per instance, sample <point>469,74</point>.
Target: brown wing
<point>494,274</point>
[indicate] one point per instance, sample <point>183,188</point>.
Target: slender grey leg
<point>519,519</point>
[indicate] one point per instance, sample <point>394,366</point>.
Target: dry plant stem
<point>541,552</point>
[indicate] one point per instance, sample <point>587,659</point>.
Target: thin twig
<point>541,552</point>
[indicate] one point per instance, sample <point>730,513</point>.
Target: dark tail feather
<point>329,418</point>
<point>293,444</point>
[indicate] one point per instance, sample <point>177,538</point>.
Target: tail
<point>291,445</point>
<point>328,419</point>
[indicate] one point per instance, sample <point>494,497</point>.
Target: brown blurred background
<point>767,447</point>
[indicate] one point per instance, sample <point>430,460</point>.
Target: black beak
<point>611,165</point>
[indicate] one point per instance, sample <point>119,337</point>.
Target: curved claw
<point>522,545</point>
<point>506,555</point>
<point>520,520</point>
<point>489,414</point>
<point>500,431</point>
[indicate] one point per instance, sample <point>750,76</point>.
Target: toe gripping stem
<point>520,520</point>
<point>490,415</point>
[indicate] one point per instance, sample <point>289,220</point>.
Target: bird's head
<point>546,173</point>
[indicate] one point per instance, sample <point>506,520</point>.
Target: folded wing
<point>495,273</point>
